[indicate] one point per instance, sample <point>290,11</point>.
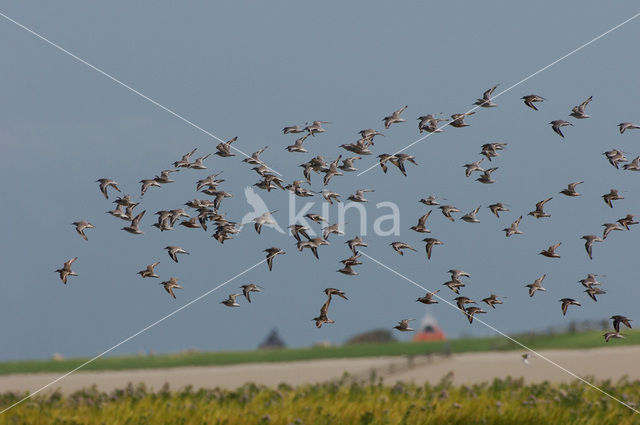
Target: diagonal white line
<point>131,337</point>
<point>501,333</point>
<point>117,81</point>
<point>577,49</point>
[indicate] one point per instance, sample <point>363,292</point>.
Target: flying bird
<point>530,99</point>
<point>170,285</point>
<point>578,111</point>
<point>66,271</point>
<point>149,271</point>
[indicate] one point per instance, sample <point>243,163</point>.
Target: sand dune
<point>600,363</point>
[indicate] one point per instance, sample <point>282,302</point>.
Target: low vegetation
<point>536,341</point>
<point>499,402</point>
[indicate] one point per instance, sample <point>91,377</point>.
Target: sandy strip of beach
<point>600,363</point>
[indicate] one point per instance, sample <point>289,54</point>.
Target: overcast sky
<point>247,69</point>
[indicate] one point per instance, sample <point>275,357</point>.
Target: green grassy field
<point>498,402</point>
<point>572,341</point>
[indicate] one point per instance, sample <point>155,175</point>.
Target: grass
<point>541,341</point>
<point>499,402</point>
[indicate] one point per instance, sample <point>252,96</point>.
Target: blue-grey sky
<point>247,69</point>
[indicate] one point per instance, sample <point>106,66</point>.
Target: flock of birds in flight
<point>206,211</point>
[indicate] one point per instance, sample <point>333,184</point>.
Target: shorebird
<point>447,210</point>
<point>231,301</point>
<point>224,148</point>
<point>254,159</point>
<point>633,165</point>
<point>627,126</point>
<point>492,299</point>
<point>355,242</point>
<point>316,218</point>
<point>352,261</point>
<point>592,292</point>
<point>271,253</point>
<point>420,227</point>
<point>617,319</point>
<point>627,221</point>
<point>399,246</point>
<point>556,124</point>
<point>551,251</point>
<point>536,285</point>
<point>297,145</point>
<point>539,211</point>
<point>429,201</point>
<point>146,184</point>
<point>174,250</point>
<point>608,228</point>
<point>117,212</point>
<point>170,285</point>
<point>184,161</point>
<point>165,176</point>
<point>589,281</point>
<point>333,229</point>
<point>322,318</point>
<point>192,223</point>
<point>347,270</point>
<point>428,298</point>
<point>403,325</point>
<point>316,127</point>
<point>383,159</point>
<point>457,274</point>
<point>473,166</point>
<point>471,216</point>
<point>457,120</point>
<point>430,243</point>
<point>497,208</point>
<point>609,335</point>
<point>105,184</point>
<point>399,159</point>
<point>369,134</point>
<point>513,229</point>
<point>471,311</point>
<point>333,291</point>
<point>530,99</point>
<point>578,111</point>
<point>566,302</point>
<point>615,157</point>
<point>81,226</point>
<point>360,147</point>
<point>394,117</point>
<point>571,189</point>
<point>332,171</point>
<point>149,271</point>
<point>248,288</point>
<point>265,218</point>
<point>455,285</point>
<point>490,150</point>
<point>486,102</point>
<point>198,163</point>
<point>461,301</point>
<point>359,195</point>
<point>125,201</point>
<point>347,164</point>
<point>590,239</point>
<point>133,227</point>
<point>330,196</point>
<point>611,196</point>
<point>526,357</point>
<point>486,176</point>
<point>294,129</point>
<point>66,271</point>
<point>297,230</point>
